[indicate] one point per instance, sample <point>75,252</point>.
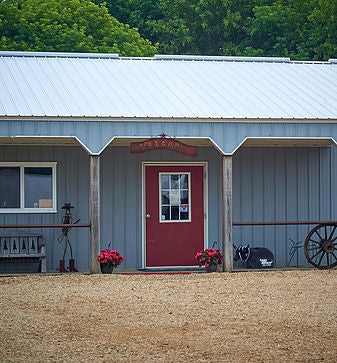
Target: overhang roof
<point>195,141</point>
<point>65,85</point>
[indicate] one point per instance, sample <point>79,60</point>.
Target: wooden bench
<point>21,245</point>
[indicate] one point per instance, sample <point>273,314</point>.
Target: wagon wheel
<point>320,247</point>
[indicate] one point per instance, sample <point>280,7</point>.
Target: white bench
<point>21,245</point>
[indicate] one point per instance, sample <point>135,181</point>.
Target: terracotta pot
<point>106,268</point>
<point>211,268</point>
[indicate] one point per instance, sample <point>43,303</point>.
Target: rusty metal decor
<point>67,219</point>
<point>320,246</point>
<point>163,142</point>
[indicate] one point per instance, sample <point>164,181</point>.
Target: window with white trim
<point>27,187</point>
<point>175,197</point>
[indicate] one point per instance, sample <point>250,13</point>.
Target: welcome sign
<point>163,143</point>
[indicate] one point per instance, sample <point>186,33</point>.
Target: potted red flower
<point>109,259</point>
<point>209,258</point>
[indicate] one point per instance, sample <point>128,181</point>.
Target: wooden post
<point>94,206</point>
<point>227,236</point>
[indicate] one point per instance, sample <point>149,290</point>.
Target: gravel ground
<point>279,316</point>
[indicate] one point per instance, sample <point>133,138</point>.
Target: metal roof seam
<point>47,96</point>
<point>328,79</point>
<point>216,97</point>
<point>267,70</point>
<point>8,95</point>
<point>172,92</point>
<point>241,82</point>
<point>264,95</point>
<point>141,74</point>
<point>184,82</point>
<point>317,85</point>
<point>85,85</point>
<point>133,77</point>
<point>30,89</point>
<point>18,88</point>
<point>118,95</point>
<point>241,104</point>
<point>60,91</point>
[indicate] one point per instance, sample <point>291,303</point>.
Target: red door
<point>174,215</point>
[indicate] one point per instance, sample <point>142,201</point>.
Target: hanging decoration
<point>163,143</point>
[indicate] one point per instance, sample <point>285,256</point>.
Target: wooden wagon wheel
<point>320,247</point>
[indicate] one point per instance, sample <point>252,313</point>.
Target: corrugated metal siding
<point>72,186</point>
<point>91,87</point>
<point>228,135</point>
<point>282,184</point>
<point>269,184</point>
<point>122,197</point>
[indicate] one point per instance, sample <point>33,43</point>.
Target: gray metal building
<point>270,123</point>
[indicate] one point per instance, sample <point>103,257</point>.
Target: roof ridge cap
<point>5,53</point>
<point>221,58</point>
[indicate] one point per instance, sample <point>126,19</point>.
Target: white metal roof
<point>94,85</point>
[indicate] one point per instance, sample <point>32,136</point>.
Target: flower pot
<point>211,267</point>
<point>106,268</point>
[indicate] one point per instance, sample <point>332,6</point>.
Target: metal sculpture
<point>67,219</point>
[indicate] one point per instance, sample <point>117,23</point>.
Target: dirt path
<point>256,316</point>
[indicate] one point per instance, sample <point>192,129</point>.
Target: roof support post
<point>94,210</point>
<point>227,207</point>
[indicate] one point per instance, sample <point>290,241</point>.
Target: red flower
<point>112,257</point>
<point>208,256</point>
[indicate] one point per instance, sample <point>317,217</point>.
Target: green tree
<point>299,29</point>
<point>68,26</point>
<point>136,13</point>
<point>188,26</point>
<point>282,29</point>
<point>324,25</point>
<point>149,17</point>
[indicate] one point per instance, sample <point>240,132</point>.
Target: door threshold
<point>172,269</point>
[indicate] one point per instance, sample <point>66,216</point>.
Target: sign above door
<point>163,142</point>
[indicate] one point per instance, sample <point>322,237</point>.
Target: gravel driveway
<point>257,316</point>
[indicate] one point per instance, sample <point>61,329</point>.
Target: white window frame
<point>22,166</point>
<point>189,198</point>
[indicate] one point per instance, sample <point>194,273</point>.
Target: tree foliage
<point>305,29</point>
<point>324,36</point>
<point>68,26</point>
<point>300,29</point>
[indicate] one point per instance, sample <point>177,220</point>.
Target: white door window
<point>175,197</point>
